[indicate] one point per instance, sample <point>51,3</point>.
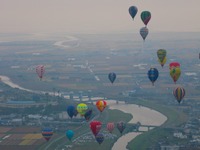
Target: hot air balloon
<point>110,126</point>
<point>174,65</point>
<point>101,105</point>
<point>99,138</point>
<point>144,32</point>
<point>95,127</point>
<point>133,11</point>
<point>71,110</point>
<point>88,114</point>
<point>145,16</point>
<point>179,93</point>
<point>40,69</point>
<point>163,62</point>
<point>69,134</point>
<point>82,108</point>
<point>161,53</point>
<point>153,75</point>
<point>175,73</point>
<point>112,76</point>
<point>47,133</point>
<point>121,126</point>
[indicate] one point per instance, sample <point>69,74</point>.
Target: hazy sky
<point>97,16</point>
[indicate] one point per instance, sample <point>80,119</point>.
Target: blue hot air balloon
<point>88,114</point>
<point>133,11</point>
<point>99,138</point>
<point>153,75</point>
<point>112,76</point>
<point>69,134</point>
<point>71,110</point>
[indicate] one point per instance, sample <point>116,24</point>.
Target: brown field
<point>20,138</point>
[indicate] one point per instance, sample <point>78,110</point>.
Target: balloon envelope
<point>133,11</point>
<point>71,110</point>
<point>144,32</point>
<point>47,133</point>
<point>145,16</point>
<point>121,126</point>
<point>99,138</point>
<point>110,126</point>
<point>95,127</point>
<point>179,93</point>
<point>82,108</point>
<point>112,76</point>
<point>69,134</point>
<point>161,53</point>
<point>153,75</point>
<point>88,114</point>
<point>101,105</point>
<point>162,63</point>
<point>175,73</point>
<point>40,69</point>
<point>174,65</point>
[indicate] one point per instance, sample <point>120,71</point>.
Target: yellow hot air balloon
<point>161,53</point>
<point>162,63</point>
<point>82,108</point>
<point>175,73</point>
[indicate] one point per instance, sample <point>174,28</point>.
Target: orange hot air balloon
<point>101,105</point>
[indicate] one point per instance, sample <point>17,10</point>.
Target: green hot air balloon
<point>145,16</point>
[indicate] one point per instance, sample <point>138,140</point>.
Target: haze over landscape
<point>79,43</point>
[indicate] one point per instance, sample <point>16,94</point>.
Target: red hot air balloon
<point>179,93</point>
<point>174,65</point>
<point>101,105</point>
<point>95,127</point>
<point>40,69</point>
<point>110,126</point>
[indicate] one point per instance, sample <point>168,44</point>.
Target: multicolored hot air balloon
<point>121,126</point>
<point>99,138</point>
<point>179,93</point>
<point>112,76</point>
<point>174,65</point>
<point>47,133</point>
<point>110,126</point>
<point>40,69</point>
<point>69,134</point>
<point>82,108</point>
<point>133,11</point>
<point>175,73</point>
<point>145,16</point>
<point>88,114</point>
<point>95,127</point>
<point>153,75</point>
<point>144,32</point>
<point>161,53</point>
<point>101,105</point>
<point>71,110</point>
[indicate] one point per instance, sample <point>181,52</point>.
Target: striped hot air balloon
<point>47,133</point>
<point>110,126</point>
<point>101,105</point>
<point>179,93</point>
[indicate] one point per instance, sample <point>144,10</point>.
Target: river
<point>144,115</point>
